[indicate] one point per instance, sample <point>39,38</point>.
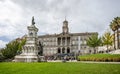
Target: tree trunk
<point>117,39</point>
<point>94,50</point>
<point>114,41</point>
<point>107,49</point>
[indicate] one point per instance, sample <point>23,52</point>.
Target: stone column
<point>61,41</point>
<point>65,50</point>
<point>61,50</point>
<point>55,41</point>
<point>32,49</point>
<point>66,41</point>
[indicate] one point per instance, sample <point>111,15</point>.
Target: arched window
<point>59,50</point>
<point>68,50</point>
<point>63,50</point>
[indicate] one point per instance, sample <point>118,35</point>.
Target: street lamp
<point>75,54</point>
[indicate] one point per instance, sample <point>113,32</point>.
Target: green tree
<point>107,39</point>
<point>21,43</point>
<point>12,49</point>
<point>115,25</point>
<point>94,42</point>
<point>1,56</point>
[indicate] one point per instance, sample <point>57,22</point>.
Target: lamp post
<point>75,54</point>
<point>74,51</point>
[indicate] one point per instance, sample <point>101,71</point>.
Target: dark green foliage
<point>12,49</point>
<point>94,41</point>
<point>107,39</point>
<point>114,26</point>
<point>22,43</point>
<point>1,57</point>
<point>101,57</point>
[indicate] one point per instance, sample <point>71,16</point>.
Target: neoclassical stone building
<point>53,44</point>
<point>65,42</point>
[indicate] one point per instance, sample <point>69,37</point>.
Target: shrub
<point>101,57</point>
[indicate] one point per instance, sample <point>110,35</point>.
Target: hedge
<point>100,57</point>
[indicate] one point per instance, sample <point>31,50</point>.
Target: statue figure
<point>33,22</point>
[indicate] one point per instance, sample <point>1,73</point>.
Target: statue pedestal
<point>26,58</point>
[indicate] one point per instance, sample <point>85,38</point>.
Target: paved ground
<point>100,62</point>
<point>115,51</point>
<point>84,61</point>
<point>61,61</point>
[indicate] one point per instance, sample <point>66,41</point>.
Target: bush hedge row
<point>100,57</point>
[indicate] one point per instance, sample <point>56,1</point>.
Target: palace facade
<point>65,42</point>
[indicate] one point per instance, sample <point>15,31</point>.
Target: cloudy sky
<point>82,15</point>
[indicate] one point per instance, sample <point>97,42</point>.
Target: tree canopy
<point>107,39</point>
<point>114,26</point>
<point>94,41</point>
<point>12,48</point>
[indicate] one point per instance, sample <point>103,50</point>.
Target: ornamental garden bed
<point>100,57</point>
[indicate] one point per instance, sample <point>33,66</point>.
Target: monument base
<point>26,58</point>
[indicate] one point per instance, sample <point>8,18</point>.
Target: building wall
<point>70,43</point>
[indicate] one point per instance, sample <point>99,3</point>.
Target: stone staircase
<point>115,51</point>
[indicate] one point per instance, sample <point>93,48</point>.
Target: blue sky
<point>82,15</point>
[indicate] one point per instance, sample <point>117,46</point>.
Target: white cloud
<point>10,12</point>
<point>10,19</point>
<point>82,15</point>
<point>2,44</point>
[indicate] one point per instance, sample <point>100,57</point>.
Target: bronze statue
<point>33,22</point>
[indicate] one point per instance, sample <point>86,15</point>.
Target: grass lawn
<point>58,68</point>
